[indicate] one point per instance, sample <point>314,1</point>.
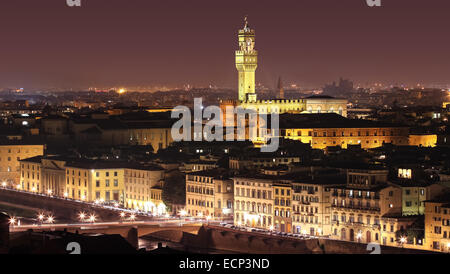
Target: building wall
<point>357,215</point>
<point>223,199</point>
<point>437,227</point>
<point>275,105</point>
<point>54,176</point>
<point>253,203</point>
<point>10,155</point>
<point>158,138</point>
<point>414,198</point>
<point>326,105</point>
<point>423,140</point>
<point>283,207</point>
<point>200,196</point>
<point>30,177</point>
<point>139,190</point>
<point>311,209</point>
<point>320,138</point>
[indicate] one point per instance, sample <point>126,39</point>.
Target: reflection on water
<point>150,243</point>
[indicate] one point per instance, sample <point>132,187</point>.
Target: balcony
<point>355,207</point>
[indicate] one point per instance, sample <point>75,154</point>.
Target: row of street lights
<point>50,218</point>
<point>85,218</point>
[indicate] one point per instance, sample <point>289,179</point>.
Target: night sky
<point>167,42</point>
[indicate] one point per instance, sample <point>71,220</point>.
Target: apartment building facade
<point>11,153</point>
<point>209,194</point>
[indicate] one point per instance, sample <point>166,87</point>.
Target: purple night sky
<point>146,42</point>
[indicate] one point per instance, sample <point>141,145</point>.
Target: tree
<point>174,188</point>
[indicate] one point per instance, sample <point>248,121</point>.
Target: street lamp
<point>66,194</point>
<point>183,213</point>
<point>50,219</point>
<point>122,215</point>
<point>92,218</point>
<point>402,240</point>
<point>359,236</point>
<point>208,218</point>
<point>82,216</point>
<point>132,217</point>
<point>12,221</point>
<point>49,192</point>
<point>41,217</point>
<point>3,184</point>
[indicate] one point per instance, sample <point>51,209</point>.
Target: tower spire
<point>280,88</point>
<point>246,26</point>
<point>246,63</point>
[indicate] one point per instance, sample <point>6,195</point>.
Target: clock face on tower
<point>249,44</point>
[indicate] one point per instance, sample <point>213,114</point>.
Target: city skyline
<point>141,43</point>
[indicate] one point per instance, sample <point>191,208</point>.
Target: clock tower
<point>246,63</point>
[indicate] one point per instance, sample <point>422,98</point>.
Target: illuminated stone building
<point>324,130</point>
<point>246,64</point>
<point>262,161</point>
<point>282,206</point>
<point>133,186</point>
<point>423,140</point>
<point>437,224</point>
<point>358,207</point>
<point>11,152</point>
<point>30,175</point>
<point>312,204</point>
<point>127,130</point>
<point>209,194</point>
<point>254,202</point>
